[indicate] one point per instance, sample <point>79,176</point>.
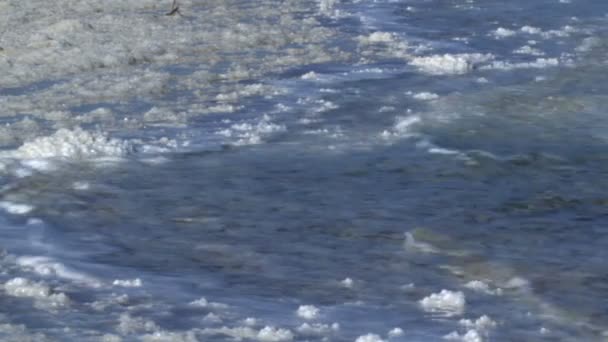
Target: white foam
<point>403,127</point>
<point>448,303</point>
<point>395,332</point>
<point>450,64</point>
<point>318,329</point>
<point>470,336</point>
<point>272,334</point>
<point>411,244</point>
<point>128,324</point>
<point>480,286</point>
<point>347,282</point>
<point>251,133</point>
<point>308,312</point>
<point>502,32</point>
<point>482,324</point>
<point>369,338</point>
<point>539,63</point>
<point>425,96</point>
<point>42,294</point>
<point>72,144</point>
<point>49,267</point>
<point>16,208</point>
<point>128,282</point>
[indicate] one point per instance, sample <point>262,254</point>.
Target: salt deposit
<point>449,303</point>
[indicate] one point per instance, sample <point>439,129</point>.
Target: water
<point>303,171</point>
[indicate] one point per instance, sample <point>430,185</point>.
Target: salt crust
<point>448,303</point>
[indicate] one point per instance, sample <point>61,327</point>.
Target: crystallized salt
<point>449,64</point>
<point>449,303</point>
<point>308,312</point>
<point>369,338</point>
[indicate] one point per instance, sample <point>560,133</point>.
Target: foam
<point>448,303</point>
<point>482,287</point>
<point>483,323</point>
<point>128,282</point>
<point>48,267</point>
<point>72,144</point>
<point>411,244</point>
<point>247,133</point>
<point>502,32</point>
<point>369,338</point>
<point>42,294</point>
<point>272,334</point>
<point>450,64</point>
<point>424,96</point>
<point>308,312</point>
<point>395,332</point>
<point>539,63</point>
<point>318,329</point>
<point>469,336</point>
<point>347,282</point>
<point>16,208</point>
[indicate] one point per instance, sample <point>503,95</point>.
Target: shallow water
<point>303,171</point>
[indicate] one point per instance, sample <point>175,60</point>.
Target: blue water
<point>504,174</point>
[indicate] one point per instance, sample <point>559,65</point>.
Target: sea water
<point>282,170</point>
